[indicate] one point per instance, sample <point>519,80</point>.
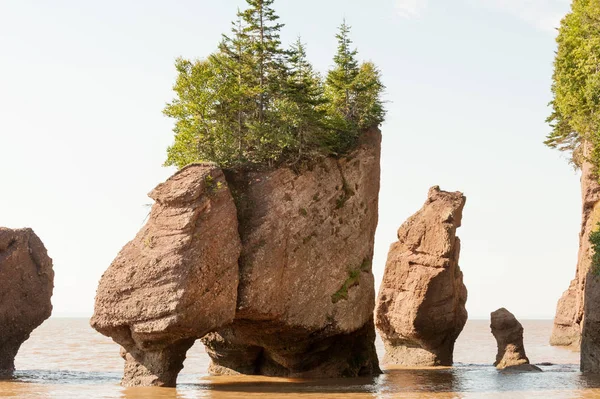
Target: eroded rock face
<point>26,284</point>
<point>306,293</point>
<point>570,309</point>
<point>421,304</point>
<point>177,280</point>
<point>509,336</point>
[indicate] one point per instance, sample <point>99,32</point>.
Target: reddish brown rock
<point>421,304</point>
<point>570,309</point>
<point>177,280</point>
<point>306,294</point>
<point>26,284</point>
<point>509,336</point>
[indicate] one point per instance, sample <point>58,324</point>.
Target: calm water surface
<point>65,359</point>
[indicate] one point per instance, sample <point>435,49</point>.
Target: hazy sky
<point>82,136</point>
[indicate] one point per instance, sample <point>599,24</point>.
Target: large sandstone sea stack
<point>26,284</point>
<point>272,269</point>
<point>569,312</point>
<point>421,304</point>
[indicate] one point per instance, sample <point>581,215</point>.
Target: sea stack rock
<point>306,293</point>
<point>277,283</point>
<point>176,281</point>
<point>569,312</point>
<point>421,304</point>
<point>509,336</point>
<point>26,284</point>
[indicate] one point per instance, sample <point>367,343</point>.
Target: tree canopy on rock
<point>254,103</point>
<point>576,85</point>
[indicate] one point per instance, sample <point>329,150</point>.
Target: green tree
<point>576,84</point>
<point>236,63</point>
<point>354,94</point>
<point>370,110</point>
<point>339,90</point>
<point>268,137</point>
<point>252,104</point>
<point>203,120</point>
<point>303,110</point>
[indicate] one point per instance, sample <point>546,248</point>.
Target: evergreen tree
<point>205,118</point>
<point>236,63</point>
<point>268,139</point>
<point>576,84</point>
<point>304,111</point>
<point>252,104</point>
<point>339,88</point>
<point>354,94</point>
<point>369,89</point>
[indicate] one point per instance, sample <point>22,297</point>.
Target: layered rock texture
<point>288,293</point>
<point>421,304</point>
<point>26,284</point>
<point>584,293</point>
<point>509,336</point>
<point>570,310</point>
<point>176,281</point>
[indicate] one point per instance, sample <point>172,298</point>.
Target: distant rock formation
<point>421,304</point>
<point>26,284</point>
<point>569,312</point>
<point>509,336</point>
<point>176,281</point>
<point>301,301</point>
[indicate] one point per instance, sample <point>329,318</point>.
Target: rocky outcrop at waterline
<point>26,285</point>
<point>288,293</point>
<point>509,337</point>
<point>421,304</point>
<point>570,309</point>
<point>176,281</point>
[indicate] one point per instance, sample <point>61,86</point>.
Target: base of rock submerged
<point>8,352</point>
<point>349,355</point>
<point>522,368</point>
<point>154,367</point>
<point>413,356</point>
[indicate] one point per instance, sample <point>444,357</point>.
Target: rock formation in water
<point>569,312</point>
<point>421,304</point>
<point>176,281</point>
<point>26,284</point>
<point>509,336</point>
<point>295,298</point>
<point>306,295</point>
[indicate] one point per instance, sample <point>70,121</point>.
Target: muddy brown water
<point>65,359</point>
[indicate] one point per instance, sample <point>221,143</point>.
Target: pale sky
<point>82,136</point>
